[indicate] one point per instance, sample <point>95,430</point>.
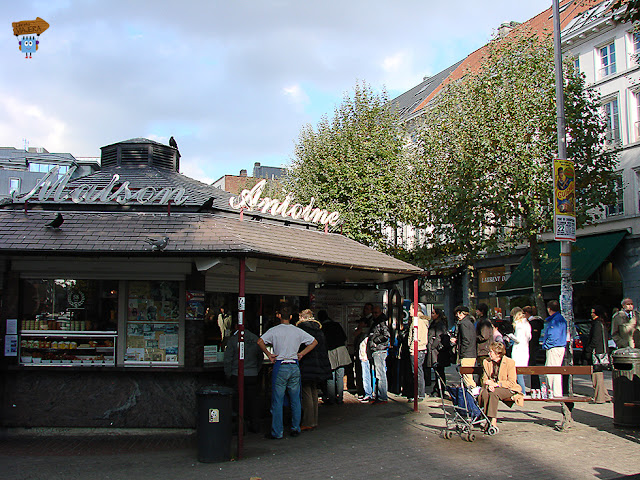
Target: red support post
<point>241,308</point>
<point>415,345</point>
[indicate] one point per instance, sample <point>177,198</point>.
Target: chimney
<point>506,28</point>
<point>243,173</point>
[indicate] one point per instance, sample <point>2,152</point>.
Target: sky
<point>233,82</point>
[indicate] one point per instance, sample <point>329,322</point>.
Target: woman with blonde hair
<point>498,383</point>
<point>521,336</point>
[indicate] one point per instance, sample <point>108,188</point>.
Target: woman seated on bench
<point>499,382</point>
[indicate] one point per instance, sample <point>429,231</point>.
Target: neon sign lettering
<point>52,186</point>
<point>250,199</point>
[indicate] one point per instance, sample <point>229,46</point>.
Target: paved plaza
<point>354,441</point>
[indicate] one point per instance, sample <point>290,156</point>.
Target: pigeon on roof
<point>158,245</point>
<point>206,206</point>
<point>56,222</point>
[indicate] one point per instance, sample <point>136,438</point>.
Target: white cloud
<point>296,94</point>
<point>110,71</point>
<point>30,122</point>
<point>193,168</point>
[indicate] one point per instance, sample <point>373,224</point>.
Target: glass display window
<point>153,323</point>
<point>68,322</point>
<point>69,305</point>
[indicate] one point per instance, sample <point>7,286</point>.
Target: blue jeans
<point>366,378</point>
<point>335,386</point>
<point>421,382</point>
<point>520,379</point>
<point>380,366</point>
<point>287,381</point>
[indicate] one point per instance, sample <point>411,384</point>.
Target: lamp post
<point>566,287</point>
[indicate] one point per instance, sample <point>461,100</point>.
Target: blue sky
<point>234,82</point>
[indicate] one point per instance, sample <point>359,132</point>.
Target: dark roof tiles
<point>189,234</point>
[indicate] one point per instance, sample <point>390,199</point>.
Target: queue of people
<point>309,358</point>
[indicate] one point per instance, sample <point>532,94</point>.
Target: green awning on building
<point>587,254</point>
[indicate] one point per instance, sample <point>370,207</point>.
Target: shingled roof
<point>190,235</point>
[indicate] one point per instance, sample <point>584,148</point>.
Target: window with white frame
<point>617,207</point>
<point>638,188</point>
<point>14,185</point>
<point>636,42</point>
<point>636,123</point>
<point>607,60</point>
<point>612,117</point>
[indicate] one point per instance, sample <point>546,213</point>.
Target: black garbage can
<point>214,405</point>
<point>626,387</point>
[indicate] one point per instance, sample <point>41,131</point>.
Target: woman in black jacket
<point>314,368</point>
<point>438,346</point>
<point>597,343</point>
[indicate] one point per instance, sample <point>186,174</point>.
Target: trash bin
<point>214,405</point>
<point>626,387</point>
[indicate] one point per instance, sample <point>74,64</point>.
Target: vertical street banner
<point>564,200</point>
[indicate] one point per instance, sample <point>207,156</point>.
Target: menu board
<point>153,322</point>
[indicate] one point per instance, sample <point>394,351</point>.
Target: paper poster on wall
<point>11,345</point>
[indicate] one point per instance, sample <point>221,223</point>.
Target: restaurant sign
<point>251,200</point>
<point>54,187</point>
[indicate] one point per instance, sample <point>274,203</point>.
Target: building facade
<point>119,288</point>
<point>20,170</point>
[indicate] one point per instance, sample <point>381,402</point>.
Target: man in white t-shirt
<point>286,340</point>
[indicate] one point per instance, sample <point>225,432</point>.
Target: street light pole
<point>566,287</point>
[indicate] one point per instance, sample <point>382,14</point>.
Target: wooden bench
<point>567,401</point>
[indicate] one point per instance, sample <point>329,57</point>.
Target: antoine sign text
<point>250,199</point>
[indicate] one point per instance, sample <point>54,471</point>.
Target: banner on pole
<point>564,200</point>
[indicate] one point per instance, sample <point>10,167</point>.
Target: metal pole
<point>566,288</point>
<point>241,307</point>
<point>415,345</point>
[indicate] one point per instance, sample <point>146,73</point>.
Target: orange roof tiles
<point>538,24</point>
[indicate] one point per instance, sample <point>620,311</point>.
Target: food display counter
<point>79,348</point>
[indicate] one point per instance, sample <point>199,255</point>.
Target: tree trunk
<point>534,249</point>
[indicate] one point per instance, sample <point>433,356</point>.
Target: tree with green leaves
<point>353,163</point>
<point>484,155</point>
<point>630,10</point>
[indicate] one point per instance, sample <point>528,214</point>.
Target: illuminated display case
<point>88,348</point>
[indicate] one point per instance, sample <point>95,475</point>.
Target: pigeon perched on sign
<point>56,222</point>
<point>206,205</point>
<point>158,245</point>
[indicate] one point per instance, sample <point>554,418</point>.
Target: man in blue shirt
<point>554,342</point>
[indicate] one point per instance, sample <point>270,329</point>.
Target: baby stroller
<point>463,414</point>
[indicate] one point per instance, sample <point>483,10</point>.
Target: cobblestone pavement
<point>354,441</point>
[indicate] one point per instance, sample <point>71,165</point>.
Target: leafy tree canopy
<point>485,150</point>
<point>353,163</point>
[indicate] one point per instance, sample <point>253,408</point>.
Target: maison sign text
<point>53,187</point>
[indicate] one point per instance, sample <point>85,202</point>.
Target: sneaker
<point>294,433</point>
<point>378,402</point>
<point>366,399</point>
<point>270,436</point>
<point>306,429</point>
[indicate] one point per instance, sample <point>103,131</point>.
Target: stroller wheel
<point>469,437</point>
<point>447,434</point>
<point>492,430</point>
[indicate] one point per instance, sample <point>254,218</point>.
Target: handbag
<point>601,360</point>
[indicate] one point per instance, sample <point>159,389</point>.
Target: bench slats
<point>540,370</point>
